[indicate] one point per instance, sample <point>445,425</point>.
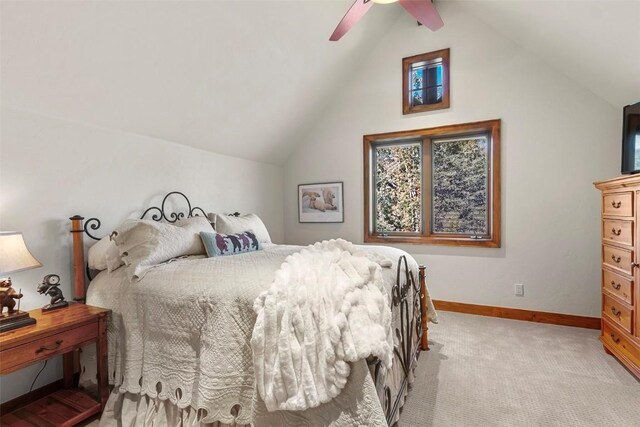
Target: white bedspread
<point>182,335</point>
<point>326,307</point>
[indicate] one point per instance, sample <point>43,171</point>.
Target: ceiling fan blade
<point>353,15</point>
<point>425,12</point>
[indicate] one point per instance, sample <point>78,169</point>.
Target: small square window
<point>425,82</point>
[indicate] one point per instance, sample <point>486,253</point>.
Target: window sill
<point>425,107</point>
<point>422,240</point>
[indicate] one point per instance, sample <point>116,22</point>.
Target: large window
<point>434,186</point>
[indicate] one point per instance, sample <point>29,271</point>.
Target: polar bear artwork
<point>322,202</point>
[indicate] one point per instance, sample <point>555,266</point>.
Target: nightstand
<point>56,333</point>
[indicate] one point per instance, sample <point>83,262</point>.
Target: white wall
<point>557,137</point>
<point>52,169</point>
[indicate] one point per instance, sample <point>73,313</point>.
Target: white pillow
<point>114,260</point>
<point>143,244</point>
<point>226,224</point>
<point>212,219</point>
<point>98,254</point>
<point>104,255</point>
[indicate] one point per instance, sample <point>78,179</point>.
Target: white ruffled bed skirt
<point>131,409</point>
<point>351,407</point>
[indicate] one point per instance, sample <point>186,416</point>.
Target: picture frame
<point>321,202</point>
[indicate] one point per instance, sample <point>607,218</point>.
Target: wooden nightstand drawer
<point>47,347</point>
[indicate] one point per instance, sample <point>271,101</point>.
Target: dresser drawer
<point>617,258</point>
<point>619,204</point>
<point>620,342</point>
<point>617,312</point>
<point>617,231</point>
<point>618,286</point>
<point>46,347</point>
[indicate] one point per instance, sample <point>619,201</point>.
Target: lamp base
<point>15,320</point>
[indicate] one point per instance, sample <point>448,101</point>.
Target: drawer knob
<point>615,312</point>
<point>615,259</point>
<point>615,286</point>
<point>615,204</point>
<point>53,347</point>
<point>615,339</point>
<point>616,232</point>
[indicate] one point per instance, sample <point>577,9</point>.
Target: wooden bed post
<point>77,233</point>
<point>424,343</point>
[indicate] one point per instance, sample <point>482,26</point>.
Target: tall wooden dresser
<point>621,269</point>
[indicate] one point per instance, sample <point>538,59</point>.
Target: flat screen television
<point>631,139</point>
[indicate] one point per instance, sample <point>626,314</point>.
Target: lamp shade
<point>14,255</point>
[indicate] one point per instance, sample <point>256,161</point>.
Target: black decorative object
<point>172,216</point>
<point>49,286</point>
<point>94,224</point>
<point>157,214</point>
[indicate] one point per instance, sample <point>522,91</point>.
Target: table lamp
<point>14,257</point>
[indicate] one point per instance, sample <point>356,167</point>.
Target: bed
<point>179,339</point>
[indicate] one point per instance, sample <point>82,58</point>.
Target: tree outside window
<point>434,186</point>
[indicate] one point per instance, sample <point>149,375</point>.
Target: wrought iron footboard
<point>408,330</point>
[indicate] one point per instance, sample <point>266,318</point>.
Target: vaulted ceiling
<point>594,42</point>
<point>248,78</point>
<point>243,78</point>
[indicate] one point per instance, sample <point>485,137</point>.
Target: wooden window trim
<point>491,127</point>
<point>407,108</point>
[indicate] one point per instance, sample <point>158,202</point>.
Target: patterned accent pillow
<point>237,224</point>
<point>218,244</point>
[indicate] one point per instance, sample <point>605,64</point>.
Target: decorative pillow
<point>104,255</point>
<point>143,244</point>
<point>114,260</point>
<point>97,256</point>
<point>237,224</point>
<point>218,244</point>
<point>212,219</point>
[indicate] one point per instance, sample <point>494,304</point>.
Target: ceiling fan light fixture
<point>422,10</point>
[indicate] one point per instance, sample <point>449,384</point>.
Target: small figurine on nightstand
<point>14,318</point>
<point>49,286</point>
<point>8,296</point>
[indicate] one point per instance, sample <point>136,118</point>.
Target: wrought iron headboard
<point>157,213</point>
<point>154,213</point>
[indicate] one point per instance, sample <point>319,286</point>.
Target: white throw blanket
<point>327,306</point>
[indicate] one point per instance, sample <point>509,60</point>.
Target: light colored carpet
<point>484,371</point>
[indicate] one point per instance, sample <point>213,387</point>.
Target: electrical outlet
<point>519,288</point>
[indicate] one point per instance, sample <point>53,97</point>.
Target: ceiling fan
<point>423,10</point>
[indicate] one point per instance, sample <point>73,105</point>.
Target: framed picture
<point>321,202</point>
